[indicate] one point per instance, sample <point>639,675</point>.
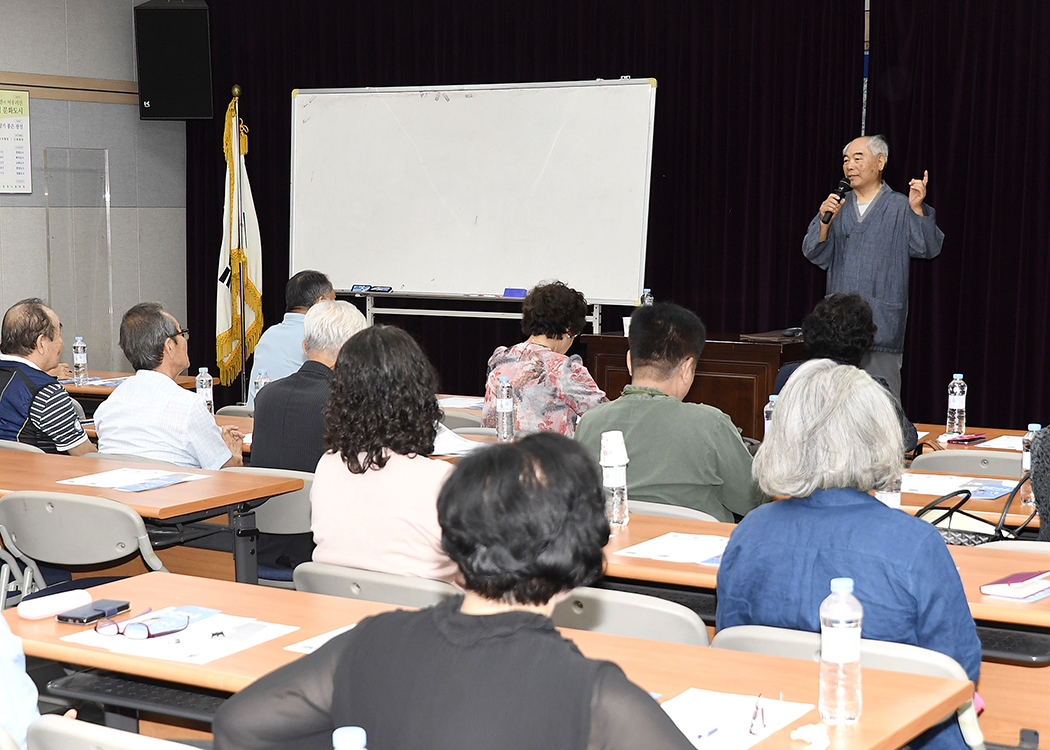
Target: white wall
<point>147,163</point>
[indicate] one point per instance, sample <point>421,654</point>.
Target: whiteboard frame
<point>432,90</point>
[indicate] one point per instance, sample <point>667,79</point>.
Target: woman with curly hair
<point>374,496</point>
<point>551,391</point>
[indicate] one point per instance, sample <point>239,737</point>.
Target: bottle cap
<point>841,585</point>
<point>203,369</point>
<point>79,338</point>
<point>774,397</point>
<point>349,738</point>
<point>957,376</point>
<point>614,452</point>
<point>504,379</point>
<point>1034,427</point>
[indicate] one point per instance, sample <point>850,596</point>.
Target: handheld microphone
<point>843,188</point>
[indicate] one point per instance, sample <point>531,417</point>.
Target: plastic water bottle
<point>504,410</point>
<point>956,406</point>
<point>204,389</point>
<point>613,460</point>
<point>80,371</point>
<point>1027,497</point>
<point>647,297</point>
<point>261,380</point>
<point>349,738</point>
<point>767,415</point>
<point>840,617</point>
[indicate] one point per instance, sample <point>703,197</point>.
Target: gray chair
<point>897,657</point>
<point>282,514</point>
<point>370,585</point>
<point>667,511</point>
<point>970,461</point>
<point>635,615</point>
<point>79,409</point>
<point>64,530</point>
<point>54,732</point>
<point>458,419</point>
<point>14,445</point>
<point>236,410</point>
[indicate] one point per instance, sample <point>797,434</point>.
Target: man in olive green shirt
<point>680,453</point>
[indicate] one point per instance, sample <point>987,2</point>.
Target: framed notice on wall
<point>16,176</point>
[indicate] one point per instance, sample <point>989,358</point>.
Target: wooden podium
<point>735,372</point>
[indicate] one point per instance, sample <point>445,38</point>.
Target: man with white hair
<point>867,243</point>
<point>289,415</point>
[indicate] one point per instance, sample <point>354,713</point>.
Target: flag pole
<point>240,237</point>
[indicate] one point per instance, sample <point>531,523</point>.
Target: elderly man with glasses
<point>149,414</point>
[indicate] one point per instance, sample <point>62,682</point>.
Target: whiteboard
<point>469,190</point>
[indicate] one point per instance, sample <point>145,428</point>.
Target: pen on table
<point>708,733</point>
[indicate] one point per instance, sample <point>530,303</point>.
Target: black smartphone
<point>89,613</point>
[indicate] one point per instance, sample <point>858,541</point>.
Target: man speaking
<point>865,240</point>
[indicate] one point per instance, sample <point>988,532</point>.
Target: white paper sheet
<point>1004,442</point>
<point>126,478</point>
<point>448,443</point>
<point>312,644</point>
<point>942,484</point>
<point>702,549</point>
<point>723,721</point>
<point>461,402</point>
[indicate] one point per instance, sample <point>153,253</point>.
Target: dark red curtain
<point>961,89</point>
<point>754,102</point>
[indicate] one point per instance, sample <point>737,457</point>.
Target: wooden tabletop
<point>20,470</point>
<point>186,381</point>
<point>987,509</point>
<point>895,710</point>
<point>936,430</point>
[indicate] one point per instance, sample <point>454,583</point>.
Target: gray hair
<point>876,144</point>
<point>833,426</point>
<point>328,325</point>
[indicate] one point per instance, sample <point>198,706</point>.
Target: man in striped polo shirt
<point>34,408</point>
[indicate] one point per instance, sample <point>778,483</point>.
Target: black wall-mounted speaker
<point>173,47</point>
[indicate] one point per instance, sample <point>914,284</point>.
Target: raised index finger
<point>925,177</point>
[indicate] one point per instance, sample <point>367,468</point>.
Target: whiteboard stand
<point>372,309</point>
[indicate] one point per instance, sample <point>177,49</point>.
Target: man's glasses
<point>184,332</point>
<point>140,631</point>
<point>758,718</point>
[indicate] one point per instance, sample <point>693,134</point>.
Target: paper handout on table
<point>724,721</point>
<point>312,644</point>
<point>205,639</point>
<point>133,480</point>
<point>1005,442</point>
<point>1020,586</point>
<point>943,484</point>
<point>448,443</point>
<point>703,549</point>
<point>461,402</point>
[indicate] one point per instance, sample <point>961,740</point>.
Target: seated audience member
<point>841,327</point>
<point>34,408</point>
<point>834,438</point>
<point>525,522</point>
<point>551,390</point>
<point>149,414</point>
<point>1041,480</point>
<point>280,348</point>
<point>374,496</point>
<point>18,694</point>
<point>680,453</point>
<point>289,416</point>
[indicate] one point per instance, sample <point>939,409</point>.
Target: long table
<point>895,710</point>
<point>929,442</point>
<point>1016,696</point>
<point>228,492</point>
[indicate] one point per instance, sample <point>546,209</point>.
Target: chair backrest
<point>64,529</point>
<point>355,583</point>
<point>236,410</point>
<point>667,511</point>
<point>458,419</point>
<point>79,409</point>
<point>635,615</point>
<point>897,657</point>
<point>970,461</point>
<point>54,732</point>
<point>14,445</point>
<point>288,513</point>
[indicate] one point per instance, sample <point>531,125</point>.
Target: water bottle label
<point>504,404</point>
<point>1026,461</point>
<point>614,476</point>
<point>840,645</point>
<point>957,402</point>
<point>80,358</point>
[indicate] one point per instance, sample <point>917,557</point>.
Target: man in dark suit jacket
<point>289,416</point>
